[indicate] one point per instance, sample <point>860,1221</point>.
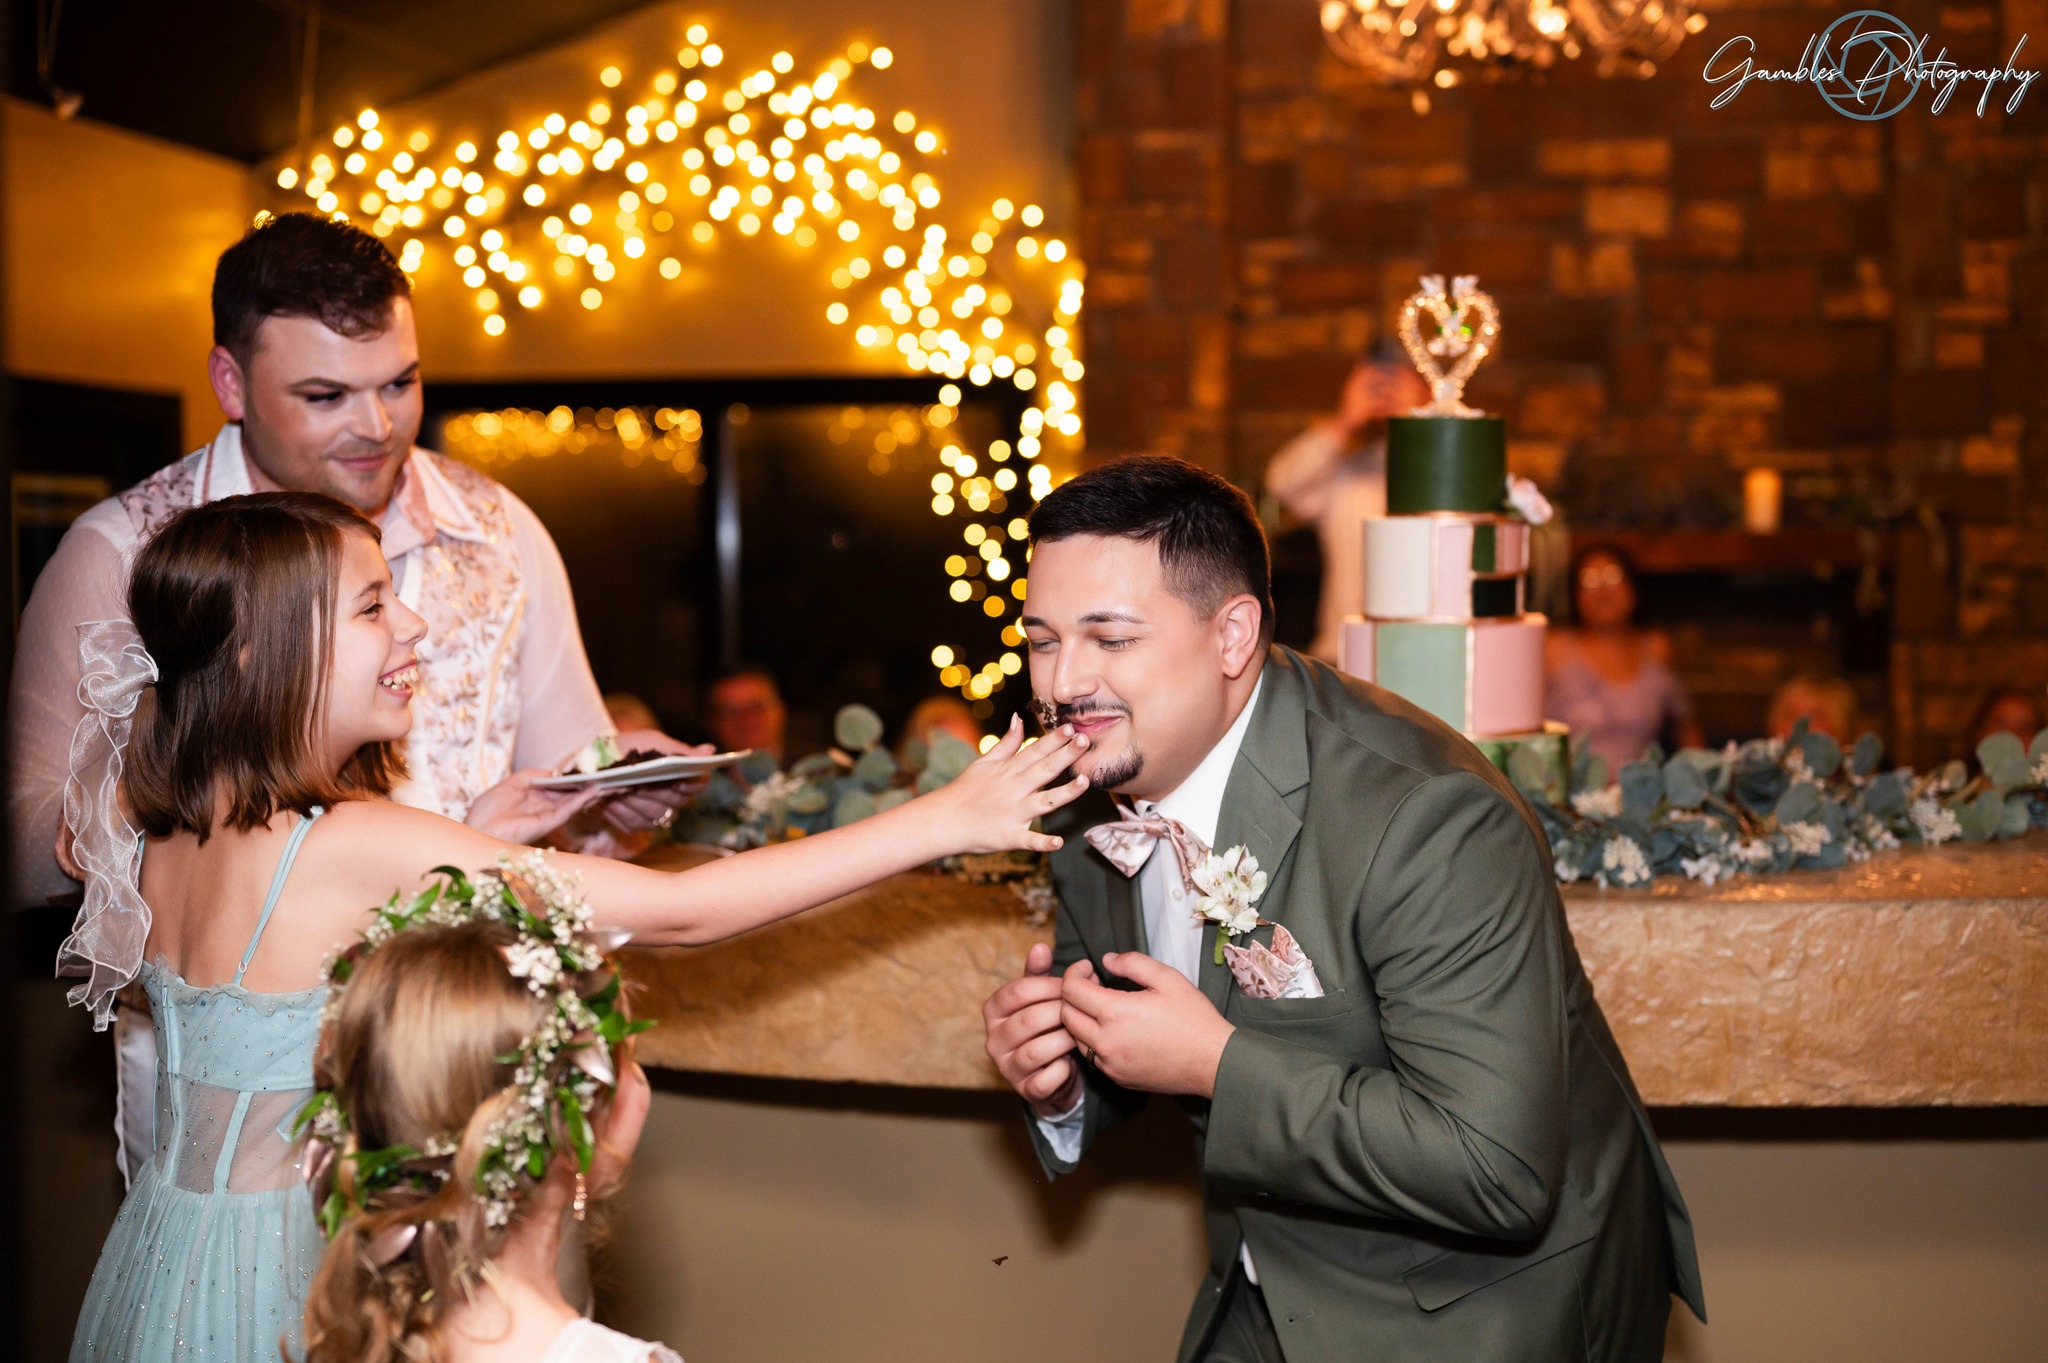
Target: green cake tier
<point>1446,463</point>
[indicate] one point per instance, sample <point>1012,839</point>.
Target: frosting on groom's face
<point>1150,678</point>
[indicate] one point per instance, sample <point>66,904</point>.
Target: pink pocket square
<point>1282,971</point>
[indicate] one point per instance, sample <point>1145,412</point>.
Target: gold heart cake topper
<point>1467,324</point>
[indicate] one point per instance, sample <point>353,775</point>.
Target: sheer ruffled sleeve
<point>107,941</point>
<point>85,580</point>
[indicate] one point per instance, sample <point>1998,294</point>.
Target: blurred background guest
<point>1335,474</point>
<point>2010,710</point>
<point>945,713</point>
<point>1827,704</point>
<point>746,711</point>
<point>1607,678</point>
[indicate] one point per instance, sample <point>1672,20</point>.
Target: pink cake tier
<point>1481,676</point>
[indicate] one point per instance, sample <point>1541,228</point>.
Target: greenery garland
<point>1772,805</point>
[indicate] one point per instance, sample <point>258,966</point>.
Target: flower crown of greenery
<point>563,1067</point>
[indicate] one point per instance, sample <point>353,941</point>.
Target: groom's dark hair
<point>1206,530</point>
<point>301,265</point>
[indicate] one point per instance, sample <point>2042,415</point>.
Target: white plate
<point>657,771</point>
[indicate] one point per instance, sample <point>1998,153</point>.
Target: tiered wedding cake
<point>1446,569</point>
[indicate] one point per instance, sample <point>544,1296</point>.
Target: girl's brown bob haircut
<point>235,602</point>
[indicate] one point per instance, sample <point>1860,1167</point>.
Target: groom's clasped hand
<point>1164,1036</point>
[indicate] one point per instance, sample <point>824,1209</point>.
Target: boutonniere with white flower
<point>1227,887</point>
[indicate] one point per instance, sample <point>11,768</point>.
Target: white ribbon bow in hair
<point>107,939</point>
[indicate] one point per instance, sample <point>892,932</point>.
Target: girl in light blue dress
<point>220,1204</point>
<point>267,677</point>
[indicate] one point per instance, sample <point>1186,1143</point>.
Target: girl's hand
<point>990,806</point>
<point>513,810</point>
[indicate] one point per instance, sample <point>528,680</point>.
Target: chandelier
<point>1417,43</point>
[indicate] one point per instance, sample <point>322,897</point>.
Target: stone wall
<point>1687,292</point>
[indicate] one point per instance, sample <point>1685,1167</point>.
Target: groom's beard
<point>1115,775</point>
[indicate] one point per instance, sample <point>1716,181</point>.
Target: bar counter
<point>1916,979</point>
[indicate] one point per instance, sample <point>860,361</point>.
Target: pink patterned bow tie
<point>1127,843</point>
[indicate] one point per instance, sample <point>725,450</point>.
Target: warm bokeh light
<point>568,202</point>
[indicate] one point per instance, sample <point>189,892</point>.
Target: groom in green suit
<point>1417,1137</point>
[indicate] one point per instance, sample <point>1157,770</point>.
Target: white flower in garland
<point>1705,870</point>
<point>1624,860</point>
<point>1808,838</point>
<point>1755,851</point>
<point>1604,803</point>
<point>1936,825</point>
<point>1565,871</point>
<point>771,797</point>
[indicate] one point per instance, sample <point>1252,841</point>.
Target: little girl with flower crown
<point>477,1092</point>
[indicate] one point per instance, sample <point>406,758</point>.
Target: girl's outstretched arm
<point>987,808</point>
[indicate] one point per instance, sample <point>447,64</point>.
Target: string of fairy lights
<point>570,205</point>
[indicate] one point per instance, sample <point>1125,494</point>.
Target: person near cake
<point>1609,678</point>
<point>1327,926</point>
<point>1335,474</point>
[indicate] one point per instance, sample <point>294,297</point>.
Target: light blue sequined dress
<point>215,1247</point>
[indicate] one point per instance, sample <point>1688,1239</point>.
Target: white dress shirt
<point>1173,934</point>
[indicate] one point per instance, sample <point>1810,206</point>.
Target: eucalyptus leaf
<point>889,799</point>
<point>876,769</point>
<point>1799,804</point>
<point>853,806</point>
<point>1954,773</point>
<point>1761,788</point>
<point>1590,772</point>
<point>1886,795</point>
<point>2011,773</point>
<point>1982,817</point>
<point>819,766</point>
<point>812,799</point>
<point>2039,747</point>
<point>1711,765</point>
<point>1998,748</point>
<point>2018,817</point>
<point>1642,786</point>
<point>757,766</point>
<point>1684,786</point>
<point>915,754</point>
<point>1823,754</point>
<point>1865,756</point>
<point>950,755</point>
<point>856,728</point>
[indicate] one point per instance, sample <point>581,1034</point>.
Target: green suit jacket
<point>1444,1156</point>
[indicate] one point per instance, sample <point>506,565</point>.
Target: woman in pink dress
<point>1611,681</point>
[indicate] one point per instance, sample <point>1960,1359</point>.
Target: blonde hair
<point>412,1054</point>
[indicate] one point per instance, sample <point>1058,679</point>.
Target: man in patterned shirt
<point>316,367</point>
